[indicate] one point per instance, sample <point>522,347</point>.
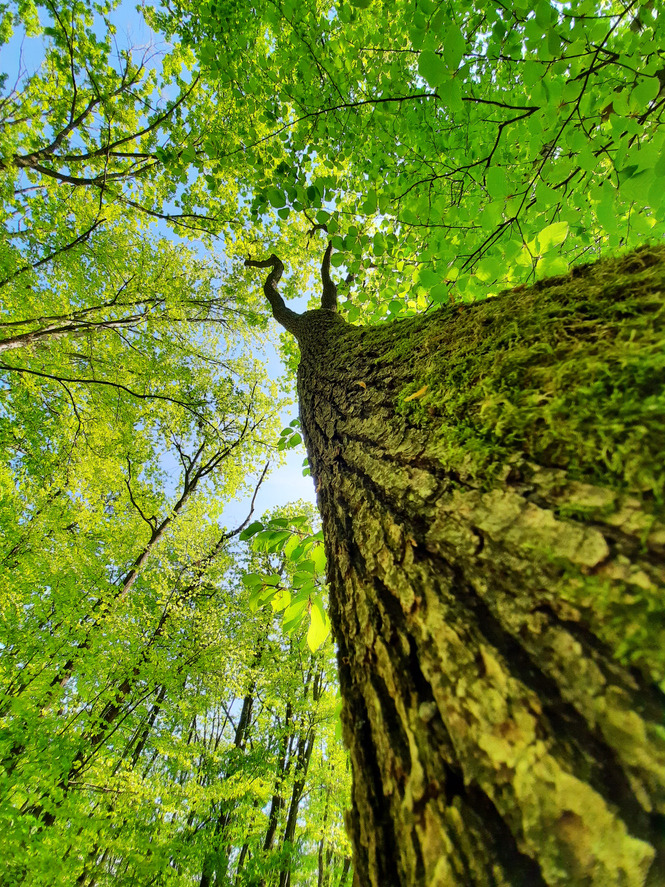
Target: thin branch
<point>63,249</point>
<point>288,318</point>
<point>329,296</point>
<point>205,561</point>
<point>150,521</point>
<point>116,385</point>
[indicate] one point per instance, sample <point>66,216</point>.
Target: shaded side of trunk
<point>491,482</point>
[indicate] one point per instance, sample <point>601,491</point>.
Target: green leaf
<point>251,580</point>
<point>291,544</point>
<point>488,269</point>
<point>259,597</point>
<point>188,155</point>
<point>551,236</point>
<point>319,626</point>
<point>432,68</point>
<point>645,92</point>
<point>439,293</point>
<point>300,579</point>
<point>586,159</point>
<point>297,552</point>
<point>249,531</point>
<point>281,600</point>
<point>318,556</point>
<point>496,182</point>
<point>276,198</point>
<point>454,47</point>
<point>369,206</point>
<point>551,266</point>
<point>543,14</point>
<point>451,95</point>
<point>294,614</point>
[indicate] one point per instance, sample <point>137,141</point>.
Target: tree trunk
<point>491,483</point>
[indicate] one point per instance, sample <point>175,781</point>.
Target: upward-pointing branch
<point>329,296</point>
<point>288,318</point>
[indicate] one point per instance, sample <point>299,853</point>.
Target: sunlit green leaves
<point>454,46</point>
<point>319,627</point>
<point>290,437</point>
<point>645,92</point>
<point>551,236</point>
<point>496,181</point>
<point>296,589</point>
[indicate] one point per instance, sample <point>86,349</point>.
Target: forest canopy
<point>168,695</point>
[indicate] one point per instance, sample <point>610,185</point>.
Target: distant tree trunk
<point>277,802</point>
<point>217,860</point>
<point>491,481</point>
<point>324,856</point>
<point>241,862</point>
<point>303,756</point>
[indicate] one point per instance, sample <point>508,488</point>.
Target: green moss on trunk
<point>491,481</point>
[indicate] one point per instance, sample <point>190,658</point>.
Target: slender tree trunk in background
<point>491,482</point>
<point>218,859</point>
<point>241,863</point>
<point>323,856</point>
<point>305,747</point>
<point>277,801</point>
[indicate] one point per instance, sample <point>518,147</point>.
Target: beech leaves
<point>298,587</point>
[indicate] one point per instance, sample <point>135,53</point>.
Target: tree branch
<point>289,319</point>
<point>329,296</point>
<point>63,249</point>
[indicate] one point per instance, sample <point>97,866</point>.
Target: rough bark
<point>491,485</point>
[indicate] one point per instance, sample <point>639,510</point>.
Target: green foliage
<point>480,127</point>
<point>293,580</point>
<point>450,150</point>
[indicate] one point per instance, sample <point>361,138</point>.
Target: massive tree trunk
<point>491,482</point>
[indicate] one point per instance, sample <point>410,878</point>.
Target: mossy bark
<point>491,482</point>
